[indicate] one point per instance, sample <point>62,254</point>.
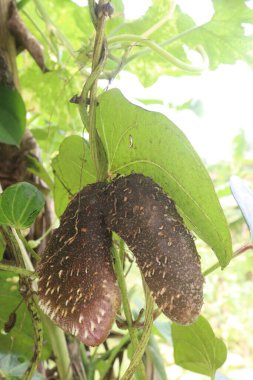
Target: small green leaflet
<point>197,349</point>
<point>12,116</point>
<point>73,169</point>
<point>140,141</point>
<point>20,204</point>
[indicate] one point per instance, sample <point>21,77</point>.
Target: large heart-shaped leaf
<point>12,116</point>
<point>137,140</point>
<point>197,349</point>
<point>20,204</point>
<point>73,169</point>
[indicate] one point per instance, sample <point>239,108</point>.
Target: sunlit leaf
<point>147,142</point>
<point>20,204</point>
<point>223,38</point>
<point>73,169</point>
<point>12,116</point>
<point>47,98</point>
<point>197,349</point>
<point>145,64</point>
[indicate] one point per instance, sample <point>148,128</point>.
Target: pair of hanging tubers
<point>77,286</point>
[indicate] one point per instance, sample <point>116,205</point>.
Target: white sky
<point>226,94</point>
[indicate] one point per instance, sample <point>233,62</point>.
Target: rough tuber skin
<point>77,285</point>
<point>147,220</point>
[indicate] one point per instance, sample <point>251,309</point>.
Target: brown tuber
<point>147,220</point>
<point>77,285</point>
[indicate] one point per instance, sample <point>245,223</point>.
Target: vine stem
<point>138,354</point>
<point>98,154</point>
<point>17,270</point>
<point>126,307</point>
<point>158,49</point>
<point>109,362</point>
<point>235,254</point>
<point>26,246</point>
<point>99,50</point>
<point>167,43</point>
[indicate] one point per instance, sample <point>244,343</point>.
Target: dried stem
<point>235,254</point>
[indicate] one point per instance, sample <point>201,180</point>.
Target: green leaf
<point>3,217</point>
<point>2,245</point>
<point>34,166</point>
<point>50,124</point>
<point>20,204</point>
<point>140,141</point>
<point>12,116</point>
<point>244,197</point>
<point>197,349</point>
<point>20,339</point>
<point>73,169</point>
<point>223,37</point>
<point>146,62</point>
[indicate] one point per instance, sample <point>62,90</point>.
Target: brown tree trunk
<point>12,158</point>
<point>13,162</point>
<point>7,49</point>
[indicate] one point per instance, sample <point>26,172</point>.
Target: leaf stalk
<point>127,310</point>
<point>126,38</point>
